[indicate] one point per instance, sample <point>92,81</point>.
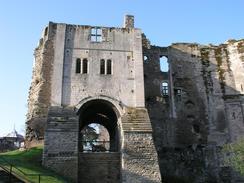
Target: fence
<point>95,146</point>
<point>12,170</point>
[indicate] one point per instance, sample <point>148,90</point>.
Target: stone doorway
<point>99,146</point>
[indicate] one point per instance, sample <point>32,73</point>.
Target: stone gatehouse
<point>162,124</point>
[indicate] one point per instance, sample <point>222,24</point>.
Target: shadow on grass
<point>29,162</point>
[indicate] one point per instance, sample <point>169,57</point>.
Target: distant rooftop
<point>14,134</point>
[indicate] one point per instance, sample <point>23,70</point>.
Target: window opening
<point>164,66</point>
<point>46,31</point>
<point>102,66</point>
<point>165,89</point>
<point>178,93</point>
<point>196,128</point>
<point>234,115</point>
<point>78,68</point>
<point>190,118</point>
<point>145,58</point>
<point>189,104</point>
<point>96,34</point>
<point>109,67</point>
<point>85,66</point>
<point>180,71</point>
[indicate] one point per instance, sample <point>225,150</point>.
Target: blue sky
<point>163,21</point>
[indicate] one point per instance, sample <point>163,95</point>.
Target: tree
<point>89,136</point>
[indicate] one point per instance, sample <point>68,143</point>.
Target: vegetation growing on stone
<point>218,56</point>
<point>205,56</point>
<point>205,64</point>
<point>227,58</point>
<point>236,155</point>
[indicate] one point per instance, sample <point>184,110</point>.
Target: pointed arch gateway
<point>101,155</point>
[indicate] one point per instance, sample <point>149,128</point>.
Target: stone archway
<point>131,156</point>
<point>99,166</point>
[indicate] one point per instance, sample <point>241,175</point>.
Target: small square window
<point>178,91</point>
<point>99,39</point>
<point>93,38</point>
<point>94,31</point>
<point>99,31</point>
<point>96,34</point>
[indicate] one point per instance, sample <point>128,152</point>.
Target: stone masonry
<point>203,111</point>
<point>164,126</point>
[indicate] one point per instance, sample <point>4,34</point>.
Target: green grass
<point>29,161</point>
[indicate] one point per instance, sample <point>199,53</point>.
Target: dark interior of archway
<point>101,112</point>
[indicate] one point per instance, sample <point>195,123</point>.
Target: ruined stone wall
<point>39,94</point>
<point>135,161</point>
<point>124,87</point>
<point>61,142</point>
<point>55,82</point>
<point>122,46</point>
<point>210,80</point>
<point>140,158</point>
<point>159,107</point>
<point>203,111</point>
<point>100,167</point>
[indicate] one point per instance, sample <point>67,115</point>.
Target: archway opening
<point>98,129</point>
<point>101,150</point>
<point>95,138</point>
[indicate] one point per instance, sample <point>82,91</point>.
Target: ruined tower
<point>87,74</point>
<point>170,124</point>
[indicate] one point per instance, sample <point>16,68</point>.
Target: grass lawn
<point>29,161</point>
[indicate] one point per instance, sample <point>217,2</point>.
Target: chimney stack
<point>129,21</point>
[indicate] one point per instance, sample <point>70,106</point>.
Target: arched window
<point>165,89</point>
<point>109,66</point>
<point>85,66</point>
<point>102,66</point>
<point>164,66</point>
<point>78,62</point>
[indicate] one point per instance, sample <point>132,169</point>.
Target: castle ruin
<point>165,126</point>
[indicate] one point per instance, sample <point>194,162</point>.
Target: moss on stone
<point>205,63</point>
<point>227,58</point>
<point>218,57</point>
<point>205,55</point>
